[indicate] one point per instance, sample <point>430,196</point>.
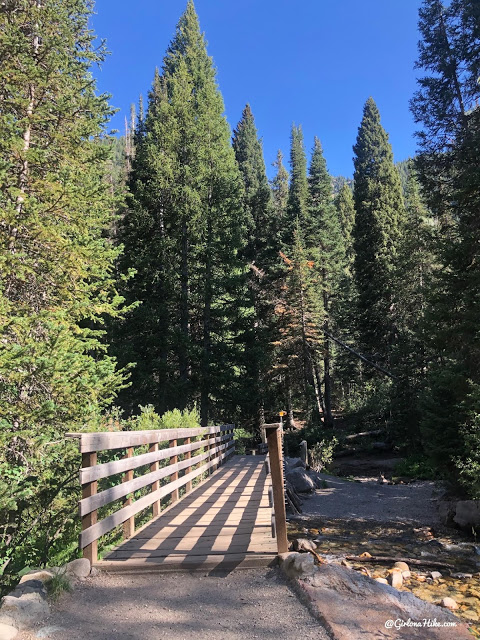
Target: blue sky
<point>312,62</point>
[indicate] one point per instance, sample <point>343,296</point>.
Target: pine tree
<point>449,169</point>
<point>183,235</point>
<point>261,253</point>
<point>279,188</point>
<point>297,207</point>
<point>346,212</point>
<point>379,213</point>
<point>56,264</point>
<point>328,252</point>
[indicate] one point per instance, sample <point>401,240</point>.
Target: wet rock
<point>7,631</point>
<point>435,575</point>
<point>467,514</point>
<point>396,579</point>
<point>449,603</point>
<point>303,544</point>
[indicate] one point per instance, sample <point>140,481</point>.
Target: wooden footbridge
<point>181,500</point>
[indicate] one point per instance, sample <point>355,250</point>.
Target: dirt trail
<point>242,605</point>
<point>415,502</point>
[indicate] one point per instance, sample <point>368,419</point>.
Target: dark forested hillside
<point>162,270</point>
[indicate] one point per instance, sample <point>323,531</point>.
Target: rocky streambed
<point>443,564</point>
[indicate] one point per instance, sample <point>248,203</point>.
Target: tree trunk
<point>288,388</point>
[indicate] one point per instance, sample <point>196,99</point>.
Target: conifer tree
<point>56,266</point>
<point>446,104</point>
<point>183,234</point>
<point>279,188</point>
<point>297,207</point>
<point>261,253</point>
<point>328,252</point>
<point>346,212</point>
<point>379,212</point>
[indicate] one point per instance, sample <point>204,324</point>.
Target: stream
<point>337,538</point>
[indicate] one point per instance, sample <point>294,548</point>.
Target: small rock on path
<point>235,606</point>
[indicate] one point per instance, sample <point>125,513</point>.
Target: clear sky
<point>312,62</point>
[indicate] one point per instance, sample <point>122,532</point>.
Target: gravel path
<point>240,605</point>
<point>415,503</point>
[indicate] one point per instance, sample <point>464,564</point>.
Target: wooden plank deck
<point>224,523</point>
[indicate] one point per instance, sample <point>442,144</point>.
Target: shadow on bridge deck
<point>223,524</point>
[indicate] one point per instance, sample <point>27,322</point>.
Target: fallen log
<point>422,563</point>
<point>354,436</point>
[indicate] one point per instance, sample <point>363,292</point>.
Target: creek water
<point>458,555</point>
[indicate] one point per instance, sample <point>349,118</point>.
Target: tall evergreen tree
<point>56,266</point>
<point>449,169</point>
<point>297,207</point>
<point>379,212</point>
<point>346,211</point>
<point>261,253</point>
<point>183,234</point>
<point>328,252</point>
<point>279,188</point>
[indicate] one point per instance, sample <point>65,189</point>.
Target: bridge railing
<point>147,464</point>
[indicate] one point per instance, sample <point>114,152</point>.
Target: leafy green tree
<point>183,233</point>
<point>57,269</point>
<point>379,213</point>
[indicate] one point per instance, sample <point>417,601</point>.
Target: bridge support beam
<point>274,441</point>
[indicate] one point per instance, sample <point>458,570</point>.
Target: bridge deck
<point>224,522</point>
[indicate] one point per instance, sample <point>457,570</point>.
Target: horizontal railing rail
<point>211,447</point>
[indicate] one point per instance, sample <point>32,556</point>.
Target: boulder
<point>304,544</point>
<point>467,514</point>
<point>43,575</point>
<point>381,580</point>
<point>7,632</point>
<point>300,480</point>
<point>403,566</point>
<point>297,565</point>
<point>25,610</point>
<point>79,568</point>
<point>353,606</point>
<point>446,512</point>
<point>29,586</point>
<point>293,463</point>
<point>435,575</point>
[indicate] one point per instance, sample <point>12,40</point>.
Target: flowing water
<point>459,557</point>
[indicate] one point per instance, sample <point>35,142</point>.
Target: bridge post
<point>274,441</point>
<point>156,507</point>
<point>188,455</point>
<point>174,475</point>
<point>129,524</point>
<point>90,489</point>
